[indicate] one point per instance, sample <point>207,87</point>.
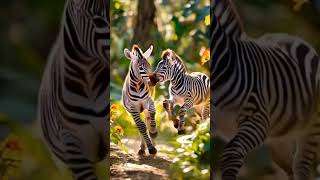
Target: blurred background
<point>295,17</point>
<point>28,30</point>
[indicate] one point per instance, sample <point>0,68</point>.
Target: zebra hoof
<point>154,134</point>
<point>175,124</point>
<point>183,131</point>
<point>152,150</point>
<point>141,152</point>
<point>165,104</point>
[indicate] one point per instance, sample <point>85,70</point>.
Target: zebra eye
<point>99,22</point>
<point>142,68</point>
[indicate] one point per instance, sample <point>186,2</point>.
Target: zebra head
<point>139,64</point>
<point>87,23</point>
<point>169,64</point>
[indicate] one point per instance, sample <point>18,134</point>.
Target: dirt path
<point>132,166</point>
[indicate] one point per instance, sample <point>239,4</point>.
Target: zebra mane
<point>170,53</point>
<point>236,15</point>
<point>231,20</point>
<point>165,53</point>
<point>136,48</point>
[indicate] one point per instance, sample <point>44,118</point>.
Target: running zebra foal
<point>73,105</point>
<point>186,90</point>
<point>262,89</point>
<point>137,96</point>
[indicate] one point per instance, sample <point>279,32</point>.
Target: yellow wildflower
<point>119,130</point>
<point>113,112</point>
<point>114,107</point>
<point>205,55</point>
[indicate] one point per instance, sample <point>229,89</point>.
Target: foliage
<point>33,158</point>
<point>30,156</point>
<point>116,131</point>
<point>9,157</point>
<point>191,156</point>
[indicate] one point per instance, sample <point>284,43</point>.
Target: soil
<point>133,166</point>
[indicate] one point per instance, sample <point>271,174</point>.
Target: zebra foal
<point>186,90</point>
<point>262,89</point>
<point>137,96</point>
<point>73,106</point>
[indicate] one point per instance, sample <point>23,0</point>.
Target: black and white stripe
<point>137,96</point>
<point>262,89</point>
<point>73,98</point>
<point>229,19</point>
<point>186,90</point>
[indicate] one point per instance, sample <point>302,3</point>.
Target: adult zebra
<point>137,96</point>
<point>262,89</point>
<point>187,90</point>
<point>73,102</point>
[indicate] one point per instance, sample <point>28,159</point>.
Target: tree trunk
<point>145,22</point>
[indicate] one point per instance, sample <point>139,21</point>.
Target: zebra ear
<point>130,55</point>
<point>127,53</point>
<point>148,52</point>
<point>171,57</point>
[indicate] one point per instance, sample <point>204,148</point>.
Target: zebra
<point>73,100</point>
<point>262,89</point>
<point>186,90</point>
<point>137,96</point>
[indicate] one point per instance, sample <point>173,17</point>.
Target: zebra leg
<point>168,105</point>
<point>305,157</point>
<point>205,111</point>
<point>142,146</point>
<point>80,165</point>
<point>143,132</point>
<point>184,108</point>
<point>151,119</point>
<point>251,134</point>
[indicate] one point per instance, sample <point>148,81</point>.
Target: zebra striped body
<point>263,89</point>
<point>186,90</point>
<point>137,96</point>
<point>73,98</point>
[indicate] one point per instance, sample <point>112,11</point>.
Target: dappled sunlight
<point>182,26</point>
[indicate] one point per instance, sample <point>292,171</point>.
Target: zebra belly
<point>179,100</point>
<point>138,105</point>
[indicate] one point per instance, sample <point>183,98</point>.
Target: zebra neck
<point>178,77</point>
<point>134,80</point>
<point>71,41</point>
<point>220,50</point>
<point>228,17</point>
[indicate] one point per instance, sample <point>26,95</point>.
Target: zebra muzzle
<point>153,79</point>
